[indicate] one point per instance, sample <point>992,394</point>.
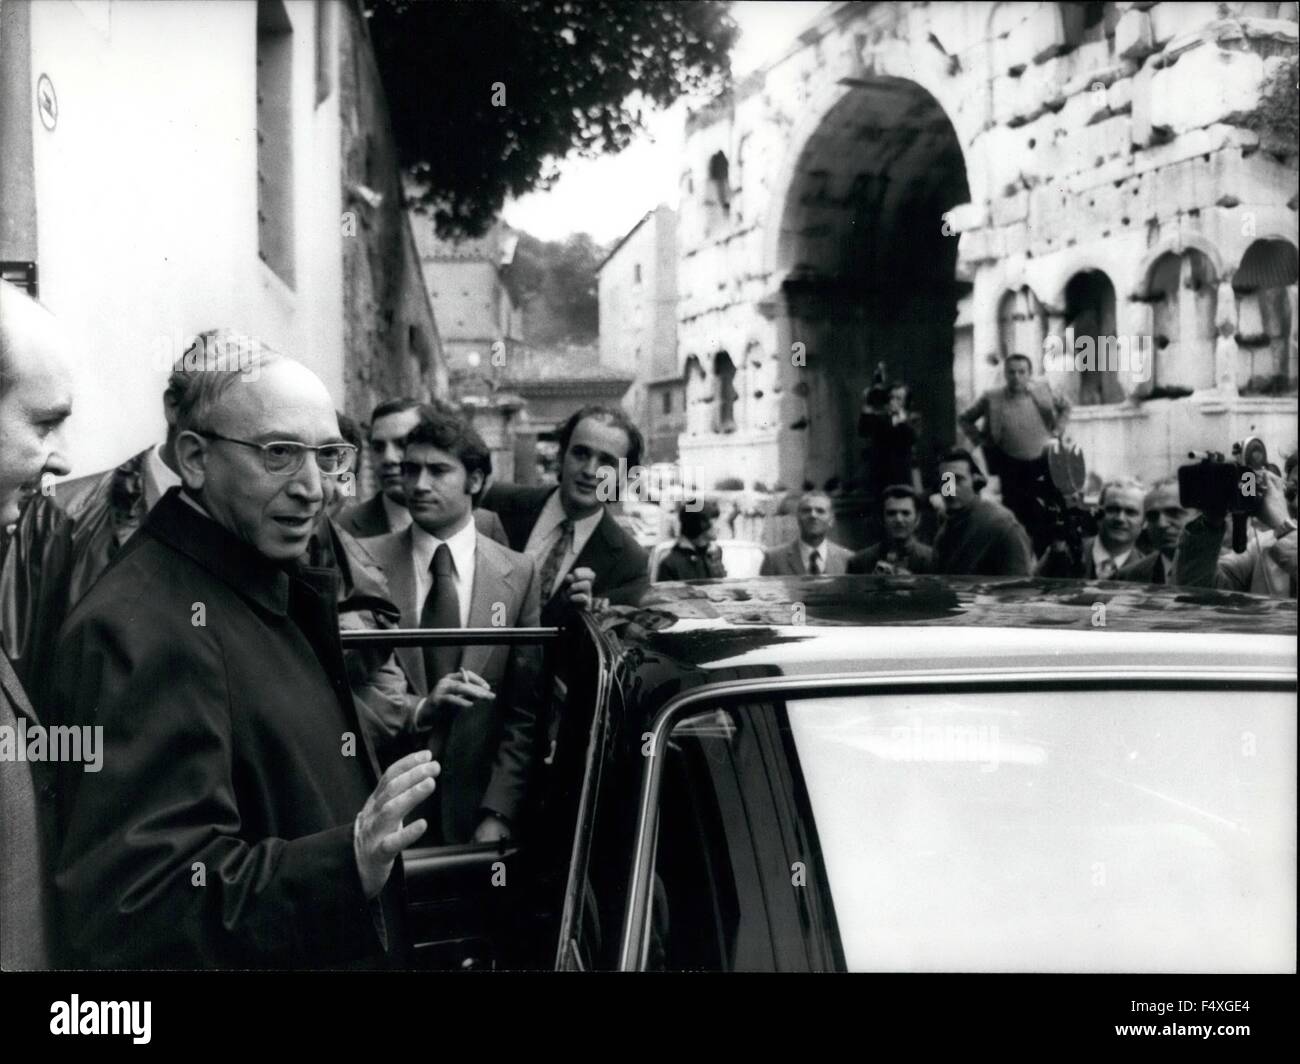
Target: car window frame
<point>635,932</point>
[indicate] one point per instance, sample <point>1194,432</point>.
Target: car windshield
<point>1102,830</point>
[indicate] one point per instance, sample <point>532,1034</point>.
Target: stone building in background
<point>169,168</point>
<point>638,328</point>
<point>936,186</point>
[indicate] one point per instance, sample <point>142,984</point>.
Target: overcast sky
<point>606,196</point>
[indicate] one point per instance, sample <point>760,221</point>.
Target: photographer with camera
<point>889,430</point>
<point>1267,564</point>
<point>1112,545</point>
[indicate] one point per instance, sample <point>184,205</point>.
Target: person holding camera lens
<point>1101,556</point>
<point>1268,564</point>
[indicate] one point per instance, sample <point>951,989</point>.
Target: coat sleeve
<point>35,587</point>
<point>969,419</point>
<point>513,767</point>
<point>156,868</point>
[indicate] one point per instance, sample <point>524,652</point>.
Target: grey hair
<point>1125,483</point>
<point>213,362</point>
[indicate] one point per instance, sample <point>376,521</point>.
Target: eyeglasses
<point>285,457</point>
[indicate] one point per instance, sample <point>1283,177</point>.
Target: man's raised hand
<point>378,835</point>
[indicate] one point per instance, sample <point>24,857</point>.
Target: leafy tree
<point>487,96</point>
<point>556,284</point>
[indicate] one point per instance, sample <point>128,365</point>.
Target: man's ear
<point>474,483</point>
<point>191,451</point>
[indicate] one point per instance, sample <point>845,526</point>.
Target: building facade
<point>482,329</point>
<point>638,328</point>
<point>166,169</point>
<point>936,186</point>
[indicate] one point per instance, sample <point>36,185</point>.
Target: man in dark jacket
<point>236,820</point>
<point>978,537</point>
<point>900,551</point>
<point>35,400</point>
<point>695,555</point>
<point>581,551</point>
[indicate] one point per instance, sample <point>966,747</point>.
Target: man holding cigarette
<point>479,713</point>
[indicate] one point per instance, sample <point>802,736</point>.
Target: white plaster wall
<point>147,202</point>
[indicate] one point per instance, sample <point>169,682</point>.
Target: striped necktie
<point>551,566</point>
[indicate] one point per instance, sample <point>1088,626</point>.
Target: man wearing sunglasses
<point>239,819</point>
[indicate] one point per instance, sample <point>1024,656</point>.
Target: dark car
<point>898,773</point>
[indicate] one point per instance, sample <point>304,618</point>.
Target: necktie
<point>814,563</point>
<point>1106,569</point>
<point>551,566</point>
<point>1158,573</point>
<point>441,609</point>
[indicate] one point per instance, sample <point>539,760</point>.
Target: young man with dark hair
<point>694,556</point>
<point>581,551</point>
<point>900,551</point>
<point>977,537</point>
<point>385,511</point>
<point>477,712</point>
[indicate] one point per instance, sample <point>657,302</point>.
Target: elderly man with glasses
<point>239,819</point>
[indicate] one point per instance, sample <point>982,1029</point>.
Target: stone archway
<point>866,266</point>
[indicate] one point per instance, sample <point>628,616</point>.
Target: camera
<point>1213,484</point>
<point>1067,521</point>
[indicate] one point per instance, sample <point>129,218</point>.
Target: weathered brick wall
<point>392,342</point>
<point>1162,129</point>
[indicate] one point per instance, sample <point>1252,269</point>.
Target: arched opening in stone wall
<point>695,391</point>
<point>1183,292</point>
<point>1265,286</point>
<point>724,375</point>
<point>869,270</point>
<point>1090,316</point>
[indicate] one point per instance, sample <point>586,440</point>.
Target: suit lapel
<point>492,584</point>
<point>401,582</point>
<point>13,688</point>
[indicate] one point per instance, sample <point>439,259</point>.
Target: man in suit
<point>900,551</point>
<point>385,511</point>
<point>1115,544</point>
<point>238,820</point>
<point>35,401</point>
<point>1165,519</point>
<point>582,552</point>
<point>978,537</point>
<point>812,553</point>
<point>480,714</point>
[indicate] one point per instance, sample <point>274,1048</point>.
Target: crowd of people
<point>257,781</point>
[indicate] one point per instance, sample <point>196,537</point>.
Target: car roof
<point>805,625</point>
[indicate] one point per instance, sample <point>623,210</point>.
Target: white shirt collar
<point>158,477</point>
<point>461,544</point>
<point>398,515</point>
<point>1100,555</point>
<point>806,549</point>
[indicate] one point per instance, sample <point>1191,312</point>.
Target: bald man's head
<point>269,498</point>
<point>35,398</point>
